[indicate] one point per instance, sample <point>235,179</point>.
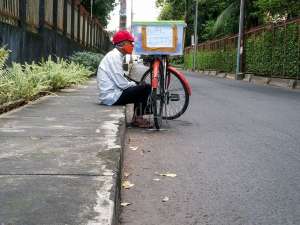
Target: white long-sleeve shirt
<point>110,78</point>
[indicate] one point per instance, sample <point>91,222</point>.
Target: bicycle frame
<point>155,76</point>
<point>160,79</point>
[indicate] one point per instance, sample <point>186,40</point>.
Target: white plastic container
<point>159,37</point>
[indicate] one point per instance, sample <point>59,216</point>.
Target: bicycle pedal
<point>174,97</point>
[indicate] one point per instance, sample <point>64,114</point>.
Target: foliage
<point>275,53</point>
<point>101,8</point>
<point>290,8</point>
<point>220,60</point>
<point>217,18</point>
<point>3,57</point>
<point>177,60</point>
<point>90,60</point>
<point>171,10</point>
<point>27,81</point>
<point>270,53</point>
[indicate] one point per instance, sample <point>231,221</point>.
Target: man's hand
<point>142,83</point>
<point>130,79</point>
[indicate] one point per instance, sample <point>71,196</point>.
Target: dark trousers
<point>138,95</point>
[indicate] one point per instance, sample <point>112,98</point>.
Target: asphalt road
<point>236,154</point>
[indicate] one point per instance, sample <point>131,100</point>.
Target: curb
<point>6,107</point>
<point>118,185</point>
<point>277,82</point>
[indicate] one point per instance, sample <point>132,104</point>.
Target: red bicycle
<point>170,90</point>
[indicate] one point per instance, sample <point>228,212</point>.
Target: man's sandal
<point>142,124</point>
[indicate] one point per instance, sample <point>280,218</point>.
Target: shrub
<point>90,60</point>
<point>27,81</point>
<point>220,60</point>
<point>177,60</point>
<point>270,53</point>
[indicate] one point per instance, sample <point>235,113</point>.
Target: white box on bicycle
<point>159,37</point>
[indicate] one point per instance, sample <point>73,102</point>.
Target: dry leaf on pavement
<point>126,174</point>
<point>34,138</point>
<point>168,174</point>
<point>165,199</point>
<point>133,148</point>
<point>126,184</point>
<point>125,204</point>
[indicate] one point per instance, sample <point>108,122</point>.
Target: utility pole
<point>240,48</point>
<point>123,16</point>
<point>92,2</point>
<point>131,29</point>
<point>131,15</point>
<point>195,36</point>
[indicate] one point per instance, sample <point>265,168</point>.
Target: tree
<point>288,8</point>
<point>171,10</point>
<point>101,9</point>
<point>217,18</point>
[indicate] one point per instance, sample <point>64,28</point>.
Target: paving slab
<point>59,155</point>
<point>60,160</point>
<point>53,200</point>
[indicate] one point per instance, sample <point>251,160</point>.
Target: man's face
<point>128,47</point>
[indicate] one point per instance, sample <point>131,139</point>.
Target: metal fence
<point>67,18</point>
<point>9,11</point>
<point>270,50</point>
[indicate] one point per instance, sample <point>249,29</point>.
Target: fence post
<point>65,18</point>
<point>55,15</point>
<point>83,29</point>
<point>22,23</point>
<point>284,59</point>
<point>272,51</point>
<point>87,31</point>
<point>92,33</point>
<point>298,53</point>
<point>72,19</point>
<point>22,13</point>
<point>78,25</point>
<point>41,14</point>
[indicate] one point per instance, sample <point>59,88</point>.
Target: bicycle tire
<point>158,102</point>
<point>185,96</point>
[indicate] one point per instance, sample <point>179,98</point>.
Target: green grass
<point>27,81</point>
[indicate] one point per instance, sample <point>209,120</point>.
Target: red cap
<point>122,35</point>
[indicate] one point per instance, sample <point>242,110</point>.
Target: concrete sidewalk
<point>60,160</point>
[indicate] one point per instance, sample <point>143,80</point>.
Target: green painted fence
<point>271,51</point>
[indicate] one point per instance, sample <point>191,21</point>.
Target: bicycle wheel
<point>158,101</point>
<point>177,97</point>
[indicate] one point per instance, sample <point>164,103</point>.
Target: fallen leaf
<point>165,199</point>
<point>124,204</point>
<point>34,138</point>
<point>134,148</point>
<point>126,174</point>
<point>168,174</point>
<point>156,179</point>
<point>126,184</point>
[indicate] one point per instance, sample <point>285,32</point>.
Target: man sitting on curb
<point>114,87</point>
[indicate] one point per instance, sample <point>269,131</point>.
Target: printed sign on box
<point>159,38</point>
